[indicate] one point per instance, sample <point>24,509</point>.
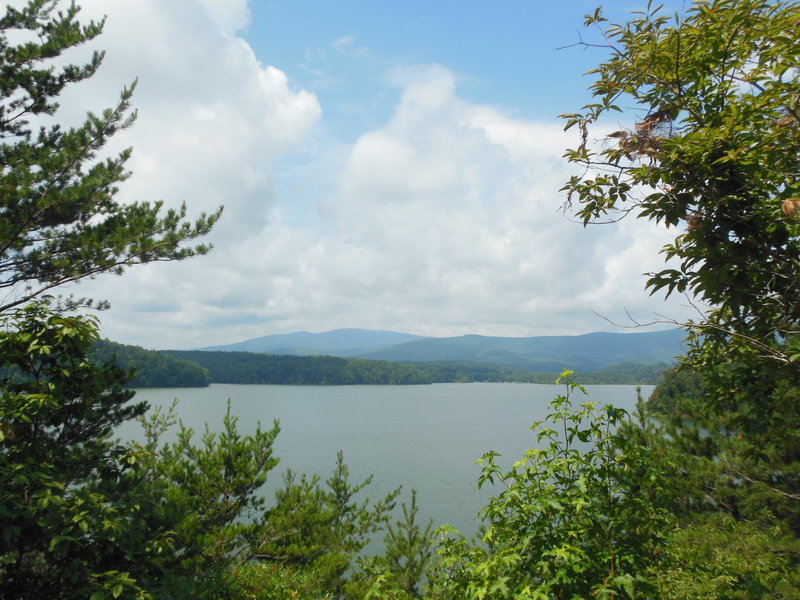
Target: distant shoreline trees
<point>193,368</point>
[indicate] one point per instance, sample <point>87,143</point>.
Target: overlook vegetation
<point>695,497</point>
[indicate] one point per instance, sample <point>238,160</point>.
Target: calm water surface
<point>425,437</point>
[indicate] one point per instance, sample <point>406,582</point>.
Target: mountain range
<point>588,352</point>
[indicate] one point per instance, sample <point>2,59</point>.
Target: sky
<point>382,165</point>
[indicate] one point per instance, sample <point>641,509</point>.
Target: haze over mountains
<point>588,352</point>
<point>340,342</point>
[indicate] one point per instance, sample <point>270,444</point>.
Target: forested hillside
<point>583,353</point>
<point>198,368</point>
<point>253,368</point>
<point>151,368</point>
<point>248,367</point>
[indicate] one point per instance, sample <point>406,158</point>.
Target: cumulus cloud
<point>212,119</point>
<point>452,208</point>
<point>209,111</point>
<point>230,15</point>
<point>443,221</point>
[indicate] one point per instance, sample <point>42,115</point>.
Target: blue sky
<point>505,54</point>
<point>514,54</point>
<point>385,165</point>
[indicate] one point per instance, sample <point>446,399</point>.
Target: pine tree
<point>59,220</point>
<point>409,548</point>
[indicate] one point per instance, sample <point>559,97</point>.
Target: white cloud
<point>213,116</point>
<point>443,221</point>
<point>212,121</point>
<point>230,15</point>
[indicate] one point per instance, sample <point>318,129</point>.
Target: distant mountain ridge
<point>588,352</point>
<point>339,342</point>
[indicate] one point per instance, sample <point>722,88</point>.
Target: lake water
<point>424,437</point>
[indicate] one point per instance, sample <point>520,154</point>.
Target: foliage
<point>715,150</point>
<point>717,467</point>
<point>408,555</point>
<point>84,516</point>
<point>152,368</point>
<point>59,221</point>
<point>719,558</point>
<point>322,529</point>
<point>714,147</point>
<point>678,384</point>
<point>711,100</point>
<point>262,580</point>
<point>202,502</point>
<point>409,548</point>
<point>61,528</point>
<point>582,516</point>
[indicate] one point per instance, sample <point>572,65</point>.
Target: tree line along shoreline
<point>200,368</point>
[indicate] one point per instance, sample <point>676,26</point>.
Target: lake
<point>425,437</point>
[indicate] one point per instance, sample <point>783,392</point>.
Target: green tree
<point>710,101</point>
<point>199,508</point>
<point>321,529</point>
<point>82,515</point>
<point>399,573</point>
<point>581,516</point>
<point>66,514</point>
<point>712,148</point>
<point>409,548</point>
<point>61,527</point>
<point>733,539</point>
<point>59,220</point>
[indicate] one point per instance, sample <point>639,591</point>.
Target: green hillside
<point>152,368</point>
<point>583,353</point>
<point>469,358</point>
<point>249,367</point>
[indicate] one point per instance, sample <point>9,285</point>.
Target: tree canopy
<point>711,102</point>
<point>60,525</point>
<point>712,149</point>
<point>710,146</point>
